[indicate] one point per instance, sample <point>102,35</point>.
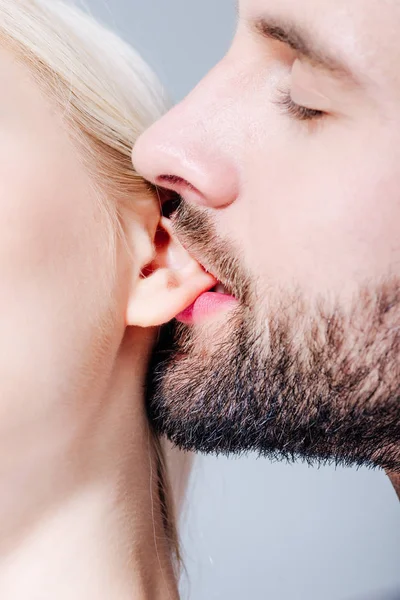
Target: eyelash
<point>301,113</point>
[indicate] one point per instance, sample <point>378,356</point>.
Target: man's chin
<point>299,394</point>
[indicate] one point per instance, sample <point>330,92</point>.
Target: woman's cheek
<point>56,281</point>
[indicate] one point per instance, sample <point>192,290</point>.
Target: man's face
<point>287,161</point>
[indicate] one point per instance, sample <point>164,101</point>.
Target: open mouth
<point>221,289</point>
<point>216,300</point>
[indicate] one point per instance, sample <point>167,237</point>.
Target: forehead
<point>365,32</point>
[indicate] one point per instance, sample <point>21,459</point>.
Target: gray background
<point>255,530</point>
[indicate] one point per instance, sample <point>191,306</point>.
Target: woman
<point>88,271</point>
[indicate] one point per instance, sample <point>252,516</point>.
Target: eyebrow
<point>301,42</point>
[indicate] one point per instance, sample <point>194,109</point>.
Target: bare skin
<point>80,512</point>
<point>286,161</point>
<point>395,479</point>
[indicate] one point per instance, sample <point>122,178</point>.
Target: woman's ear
<point>169,284</point>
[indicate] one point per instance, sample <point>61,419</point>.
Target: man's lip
<point>205,306</point>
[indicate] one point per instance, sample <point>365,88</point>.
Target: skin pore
<point>285,159</point>
<point>80,512</point>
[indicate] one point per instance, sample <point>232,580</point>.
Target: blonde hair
<point>108,95</point>
<point>106,90</point>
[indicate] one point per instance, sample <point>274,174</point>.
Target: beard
<point>317,381</point>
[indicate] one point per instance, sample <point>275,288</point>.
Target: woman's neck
<point>80,516</point>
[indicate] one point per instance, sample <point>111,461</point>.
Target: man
<point>286,159</point>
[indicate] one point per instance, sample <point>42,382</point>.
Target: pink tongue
<point>204,306</point>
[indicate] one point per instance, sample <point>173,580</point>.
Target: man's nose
<point>186,152</point>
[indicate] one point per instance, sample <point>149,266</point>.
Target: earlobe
<point>169,284</point>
